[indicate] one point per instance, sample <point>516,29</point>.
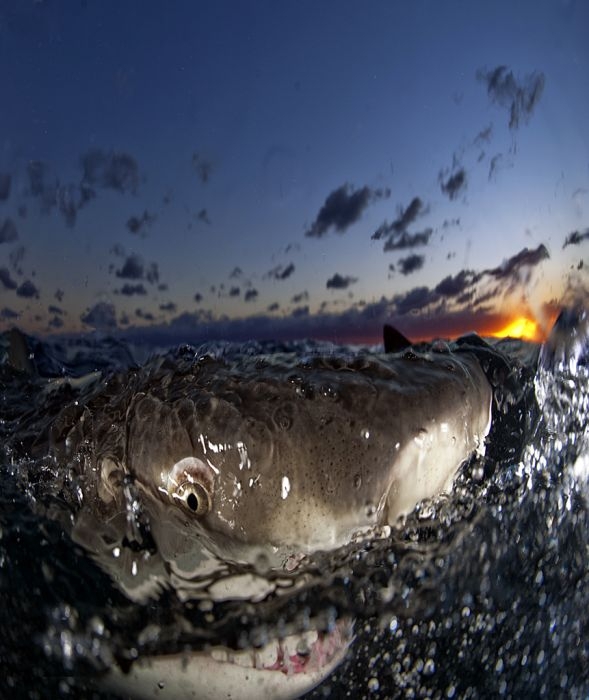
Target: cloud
<point>132,268</point>
<point>145,315</point>
<point>8,232</point>
<point>274,307</point>
<point>234,292</point>
<point>300,312</point>
<point>45,186</point>
<point>111,170</point>
<point>340,282</point>
<point>280,272</point>
<point>405,217</point>
<point>453,285</point>
<point>235,273</point>
<point>27,290</point>
<point>302,296</point>
<point>8,314</point>
<point>203,167</point>
<point>411,263</point>
<point>56,322</point>
<point>138,224</point>
<point>5,184</point>
<point>168,308</point>
<point>342,208</point>
<point>16,256</point>
<point>519,97</point>
<point>509,270</point>
<point>130,290</point>
<point>251,295</point>
<point>203,215</point>
<point>59,294</point>
<point>55,310</point>
<point>101,316</point>
<point>152,273</point>
<point>6,280</point>
<point>484,135</point>
<point>576,237</point>
<point>407,240</point>
<point>454,184</point>
<point>415,300</point>
<point>198,298</point>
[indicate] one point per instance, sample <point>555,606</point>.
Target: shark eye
<point>195,497</point>
<point>190,483</point>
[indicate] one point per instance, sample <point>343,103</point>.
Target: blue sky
<point>266,169</point>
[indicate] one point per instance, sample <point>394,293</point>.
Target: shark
<point>262,458</point>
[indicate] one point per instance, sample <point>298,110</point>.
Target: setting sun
<point>522,327</point>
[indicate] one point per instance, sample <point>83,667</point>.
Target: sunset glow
<point>522,328</point>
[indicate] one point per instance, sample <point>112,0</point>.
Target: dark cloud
<point>8,232</point>
<point>56,322</point>
<point>55,310</point>
<point>234,292</point>
<point>111,170</point>
<point>130,290</point>
<point>454,184</point>
<point>132,268</point>
<point>405,217</point>
<point>415,300</point>
<point>274,307</point>
<point>145,315</point>
<point>484,135</point>
<point>510,268</point>
<point>45,186</point>
<point>300,312</point>
<point>398,238</point>
<point>101,316</point>
<point>6,280</point>
<point>162,287</point>
<point>342,208</point>
<point>280,272</point>
<point>453,285</point>
<point>251,295</point>
<point>138,224</point>
<point>198,298</point>
<point>451,222</point>
<point>16,256</point>
<point>5,184</point>
<point>203,167</point>
<point>169,308</point>
<point>340,282</point>
<point>59,294</point>
<point>302,296</point>
<point>576,237</point>
<point>118,250</point>
<point>203,215</point>
<point>519,97</point>
<point>235,273</point>
<point>407,240</point>
<point>8,314</point>
<point>411,263</point>
<point>152,273</point>
<point>27,290</point>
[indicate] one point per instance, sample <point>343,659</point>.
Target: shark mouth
<point>296,653</point>
<point>282,669</point>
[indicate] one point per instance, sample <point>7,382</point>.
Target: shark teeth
<point>295,653</point>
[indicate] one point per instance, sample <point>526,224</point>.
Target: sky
<point>193,171</point>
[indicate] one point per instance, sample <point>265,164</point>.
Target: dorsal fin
<point>394,340</point>
<point>18,352</point>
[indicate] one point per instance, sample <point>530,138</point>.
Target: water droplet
<point>357,481</point>
<point>161,685</point>
<point>373,685</point>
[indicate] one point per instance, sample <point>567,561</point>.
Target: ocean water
<point>483,592</point>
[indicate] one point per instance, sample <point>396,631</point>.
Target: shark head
<point>275,455</point>
<point>267,459</point>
